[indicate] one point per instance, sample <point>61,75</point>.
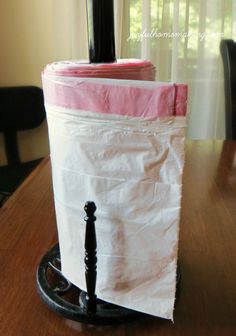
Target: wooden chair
<point>21,108</point>
<point>228,53</point>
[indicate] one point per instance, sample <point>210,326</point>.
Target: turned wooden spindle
<point>90,258</point>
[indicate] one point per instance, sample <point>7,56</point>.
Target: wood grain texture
<point>207,254</point>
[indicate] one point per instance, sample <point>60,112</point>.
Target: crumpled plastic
<point>131,167</point>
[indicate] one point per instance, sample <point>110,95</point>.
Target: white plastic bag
<point>132,169</point>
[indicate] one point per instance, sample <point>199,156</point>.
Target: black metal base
<point>70,301</point>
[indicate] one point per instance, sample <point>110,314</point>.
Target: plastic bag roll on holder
<point>120,144</point>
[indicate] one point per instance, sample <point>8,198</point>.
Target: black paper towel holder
<point>56,291</point>
<point>70,301</point>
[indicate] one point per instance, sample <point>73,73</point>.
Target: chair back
<point>21,108</point>
<point>228,53</point>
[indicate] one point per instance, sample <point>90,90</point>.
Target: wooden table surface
<point>207,254</point>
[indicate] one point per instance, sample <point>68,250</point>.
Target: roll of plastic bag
<point>134,69</point>
<point>131,167</point>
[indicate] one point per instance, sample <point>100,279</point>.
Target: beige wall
<point>32,34</point>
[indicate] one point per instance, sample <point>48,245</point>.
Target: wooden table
<point>207,254</point>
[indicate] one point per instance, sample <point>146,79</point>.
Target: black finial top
<point>100,16</point>
<point>90,208</point>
